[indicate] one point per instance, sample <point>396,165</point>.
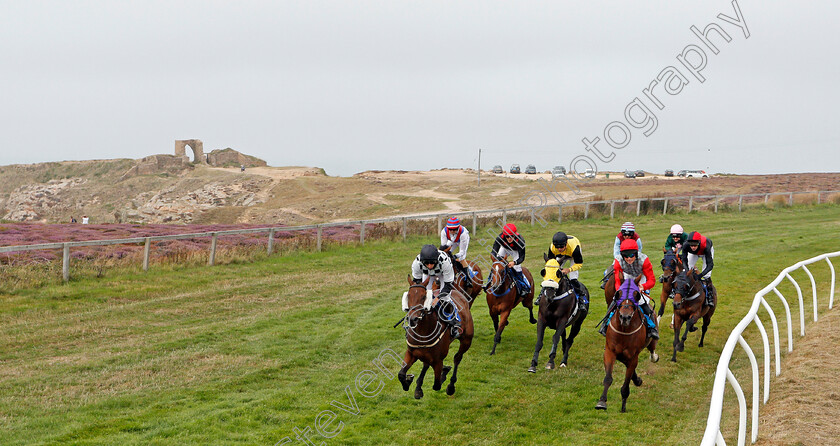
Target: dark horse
<point>502,297</point>
<point>671,267</point>
<point>428,338</point>
<point>690,306</point>
<point>461,281</point>
<point>625,340</point>
<point>558,310</point>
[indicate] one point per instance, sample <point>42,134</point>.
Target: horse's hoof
<point>436,387</point>
<point>562,365</point>
<point>532,369</point>
<point>671,325</point>
<point>692,329</point>
<point>623,409</point>
<point>407,383</point>
<point>674,359</point>
<point>418,394</point>
<point>450,389</point>
<point>654,357</point>
<point>638,383</point>
<point>602,405</point>
<point>445,371</point>
<point>533,321</point>
<point>700,344</point>
<point>681,347</point>
<point>549,366</point>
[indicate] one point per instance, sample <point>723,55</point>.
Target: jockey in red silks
<point>628,231</point>
<point>511,244</point>
<point>632,264</point>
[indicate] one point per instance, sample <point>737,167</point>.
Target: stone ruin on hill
<point>174,164</point>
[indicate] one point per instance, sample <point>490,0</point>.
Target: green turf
<point>245,353</point>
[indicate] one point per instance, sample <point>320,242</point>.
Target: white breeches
<point>692,260</point>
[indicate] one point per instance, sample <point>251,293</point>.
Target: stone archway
<point>197,148</point>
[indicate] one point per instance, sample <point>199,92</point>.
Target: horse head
<point>629,296</point>
<point>554,281</point>
<point>498,276</point>
<point>417,301</point>
<point>683,288</point>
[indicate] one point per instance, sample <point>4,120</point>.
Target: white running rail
<point>713,436</point>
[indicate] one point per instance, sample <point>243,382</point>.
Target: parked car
<point>696,174</point>
<point>681,173</point>
<point>669,173</point>
<point>514,168</point>
<point>558,170</point>
<point>640,173</point>
<point>629,174</point>
<point>589,173</point>
<point>530,169</point>
<point>498,169</point>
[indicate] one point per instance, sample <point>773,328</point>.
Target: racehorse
<point>461,281</point>
<point>625,340</point>
<point>690,306</point>
<point>428,338</point>
<point>671,267</point>
<point>558,310</point>
<point>502,297</point>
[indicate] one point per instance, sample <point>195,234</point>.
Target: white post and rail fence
<point>723,374</point>
<point>542,211</point>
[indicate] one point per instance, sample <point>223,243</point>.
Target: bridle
<point>491,288</point>
<point>635,310</point>
<point>410,323</point>
<point>682,287</point>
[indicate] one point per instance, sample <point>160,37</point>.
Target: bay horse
<point>690,306</point>
<point>625,341</point>
<point>671,267</point>
<point>502,297</point>
<point>428,338</point>
<point>461,281</point>
<point>558,310</point>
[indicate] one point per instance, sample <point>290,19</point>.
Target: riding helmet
<point>628,228</point>
<point>428,254</point>
<point>559,240</point>
<point>694,238</point>
<point>509,229</point>
<point>453,223</point>
<point>677,229</point>
<point>629,245</point>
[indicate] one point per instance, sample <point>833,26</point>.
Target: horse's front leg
<point>609,361</point>
<point>538,347</point>
<point>418,391</point>
<point>559,330</point>
<point>438,367</point>
<point>629,374</point>
<point>503,321</point>
<point>406,380</point>
<point>677,326</point>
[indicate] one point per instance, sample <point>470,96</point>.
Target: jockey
<point>697,245</point>
<point>628,231</point>
<point>632,264</point>
<point>676,239</point>
<point>434,264</point>
<point>510,243</point>
<point>567,248</point>
<point>456,235</point>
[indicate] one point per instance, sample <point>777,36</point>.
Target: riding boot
<point>707,287</point>
<point>653,331</point>
<point>449,313</point>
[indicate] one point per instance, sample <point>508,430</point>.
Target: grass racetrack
<point>247,353</point>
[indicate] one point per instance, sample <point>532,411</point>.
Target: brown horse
<point>461,281</point>
<point>502,297</point>
<point>625,340</point>
<point>428,338</point>
<point>671,267</point>
<point>690,306</point>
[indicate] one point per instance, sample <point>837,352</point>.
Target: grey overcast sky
<point>358,85</point>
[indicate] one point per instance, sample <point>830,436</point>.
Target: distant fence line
<point>535,212</point>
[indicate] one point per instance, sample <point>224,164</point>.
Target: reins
<point>641,324</point>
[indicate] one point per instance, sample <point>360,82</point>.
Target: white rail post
<point>405,228</point>
<point>560,214</point>
<point>473,222</point>
<point>790,200</point>
<point>213,242</point>
<point>741,202</point>
<point>532,216</point>
<point>690,203</point>
<point>319,237</point>
<point>638,207</point>
<point>819,196</point>
<point>586,211</point>
<point>716,203</point>
<point>766,197</point>
<point>612,208</point>
<point>146,249</point>
<point>270,241</point>
<point>504,217</point>
<point>65,262</point>
<point>362,233</point>
<point>665,207</point>
<point>439,222</point>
